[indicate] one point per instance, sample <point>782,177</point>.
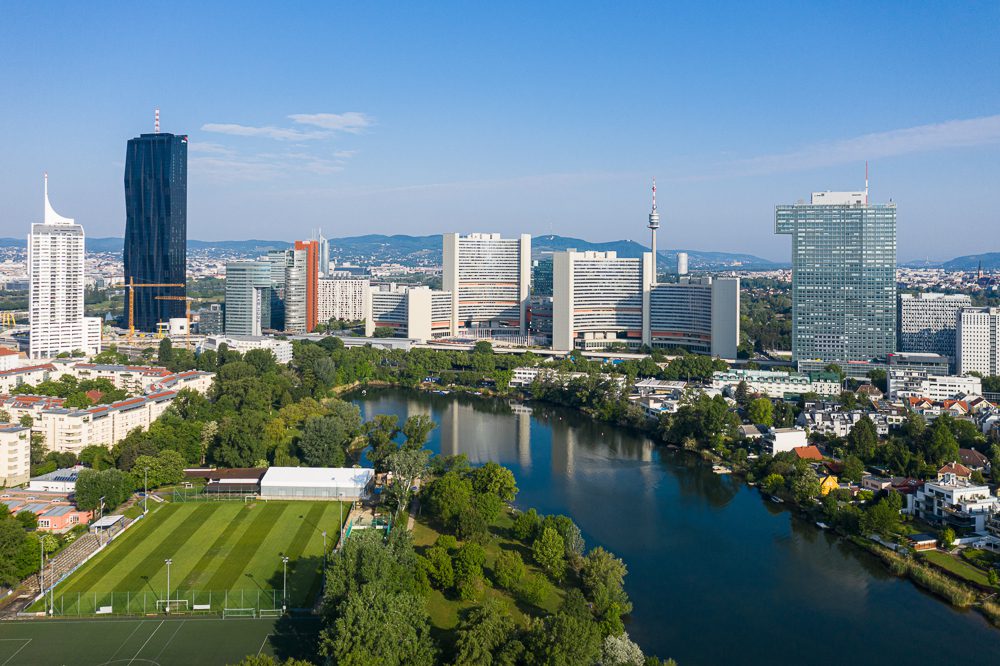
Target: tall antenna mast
<point>654,224</point>
<point>156,122</point>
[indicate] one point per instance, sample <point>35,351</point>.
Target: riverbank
<point>934,579</point>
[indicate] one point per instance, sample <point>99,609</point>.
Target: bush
<point>439,568</point>
<point>447,541</point>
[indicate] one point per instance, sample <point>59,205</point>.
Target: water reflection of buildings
<point>483,436</point>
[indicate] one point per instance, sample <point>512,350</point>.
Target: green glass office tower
<point>843,277</point>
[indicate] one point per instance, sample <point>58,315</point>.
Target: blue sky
<point>536,117</point>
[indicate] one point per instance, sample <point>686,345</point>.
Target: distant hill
<point>428,249</point>
<point>990,261</point>
<point>970,262</point>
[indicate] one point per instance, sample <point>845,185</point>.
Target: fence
<point>148,602</point>
<point>201,495</point>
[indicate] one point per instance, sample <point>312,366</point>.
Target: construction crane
<point>132,286</point>
<point>187,314</point>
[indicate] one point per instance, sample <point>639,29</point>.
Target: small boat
<point>822,526</point>
<point>721,469</point>
<point>777,500</point>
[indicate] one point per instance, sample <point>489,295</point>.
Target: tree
<point>854,469</point>
<point>28,520</point>
<point>879,379</point>
<point>381,434</point>
<point>621,651</point>
<point>114,485</point>
<point>440,571</point>
<point>947,538</point>
<point>742,395</point>
<point>406,466</point>
<point>447,496</point>
<point>97,456</point>
<point>761,412</point>
<point>563,639</point>
<point>380,627</point>
<point>508,569</point>
<point>26,421</point>
<point>603,577</point>
<point>526,525</point>
<point>863,439</point>
<point>484,632</point>
<point>805,485</point>
<point>417,429</point>
<point>11,540</point>
<point>267,660</point>
<point>496,479</point>
<point>835,369</point>
<point>772,483</point>
<point>468,564</point>
<point>881,518</point>
<point>548,551</point>
<point>164,469</point>
<point>323,441</point>
<point>383,332</point>
<point>165,356</point>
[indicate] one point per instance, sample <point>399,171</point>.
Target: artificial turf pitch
<point>223,554</point>
<point>152,642</point>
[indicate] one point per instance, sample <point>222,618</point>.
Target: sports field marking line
<point>115,653</point>
<point>259,650</point>
<point>143,646</point>
<point>18,650</point>
<point>169,641</point>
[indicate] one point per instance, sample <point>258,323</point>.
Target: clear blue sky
<point>537,117</point>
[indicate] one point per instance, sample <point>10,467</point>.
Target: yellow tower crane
<point>132,286</point>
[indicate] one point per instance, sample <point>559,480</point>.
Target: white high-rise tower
<point>654,224</point>
<point>55,296</point>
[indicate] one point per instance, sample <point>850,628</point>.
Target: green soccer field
<point>155,641</point>
<point>223,555</point>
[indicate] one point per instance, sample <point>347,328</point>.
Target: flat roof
<point>311,477</point>
<point>108,521</point>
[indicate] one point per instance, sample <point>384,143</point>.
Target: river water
<point>716,574</point>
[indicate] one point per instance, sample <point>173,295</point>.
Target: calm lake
<point>716,575</point>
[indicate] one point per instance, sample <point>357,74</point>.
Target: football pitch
<point>223,555</point>
<point>154,641</point>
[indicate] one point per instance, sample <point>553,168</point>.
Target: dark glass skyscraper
<point>156,226</point>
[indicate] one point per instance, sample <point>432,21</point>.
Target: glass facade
<point>843,280</point>
<point>155,249</point>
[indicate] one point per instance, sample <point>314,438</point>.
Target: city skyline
<point>519,123</point>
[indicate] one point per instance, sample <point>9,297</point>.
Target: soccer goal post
<point>171,605</point>
<point>239,612</point>
<point>271,612</point>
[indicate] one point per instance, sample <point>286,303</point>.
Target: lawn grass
<point>958,567</point>
<point>445,609</point>
<point>218,548</point>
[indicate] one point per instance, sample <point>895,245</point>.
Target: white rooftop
<point>312,477</point>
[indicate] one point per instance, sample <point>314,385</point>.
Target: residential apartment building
<point>977,338</point>
<point>248,297</point>
<point>282,349</point>
<point>921,384</point>
<point>72,430</point>
<point>928,321</point>
<point>600,299</point>
<point>780,440</point>
<point>837,423</point>
<point>341,298</point>
<point>956,502</point>
<point>211,319</point>
<point>489,279</point>
<point>15,455</point>
<point>701,315</point>
<point>777,384</point>
<point>29,374</point>
<point>843,277</point>
<point>55,288</point>
<point>419,313</point>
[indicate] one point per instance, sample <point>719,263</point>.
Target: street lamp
<point>340,497</point>
<point>324,551</point>
<point>101,512</point>
<point>284,585</point>
<point>145,490</point>
<point>168,562</point>
<point>41,566</point>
